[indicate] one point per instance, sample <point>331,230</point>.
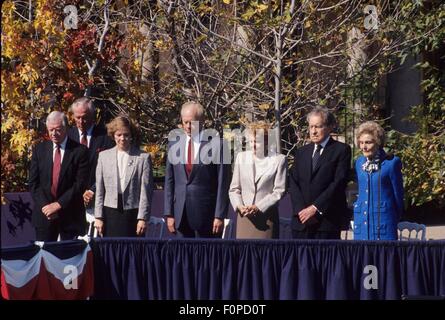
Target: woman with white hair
<point>380,198</point>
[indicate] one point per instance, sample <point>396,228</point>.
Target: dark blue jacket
<point>204,195</point>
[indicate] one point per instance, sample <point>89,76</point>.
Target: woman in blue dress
<point>380,196</point>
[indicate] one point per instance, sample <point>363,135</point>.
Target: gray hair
<point>199,108</point>
<point>372,128</point>
<point>84,101</point>
<point>327,116</point>
<point>57,116</point>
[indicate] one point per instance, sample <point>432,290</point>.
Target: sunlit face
<point>190,120</point>
<point>258,140</point>
<point>318,131</point>
<point>83,117</point>
<point>56,131</point>
<point>368,145</point>
<point>123,138</point>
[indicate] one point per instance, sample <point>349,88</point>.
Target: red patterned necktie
<point>84,140</point>
<point>56,171</point>
<point>189,164</point>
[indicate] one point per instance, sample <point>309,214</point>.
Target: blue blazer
<point>204,195</point>
<point>376,217</point>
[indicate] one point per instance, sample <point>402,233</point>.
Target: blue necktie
<point>316,156</point>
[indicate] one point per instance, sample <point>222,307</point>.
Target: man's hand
<point>218,226</point>
<point>88,197</point>
<point>50,210</point>
<point>307,215</point>
<point>140,228</point>
<point>171,224</point>
<point>99,225</point>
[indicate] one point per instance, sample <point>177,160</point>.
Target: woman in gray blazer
<point>124,183</point>
<point>258,184</point>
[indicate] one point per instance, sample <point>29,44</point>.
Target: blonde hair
<point>258,125</point>
<point>372,128</point>
<point>125,122</point>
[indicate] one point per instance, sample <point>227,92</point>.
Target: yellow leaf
<point>226,1</point>
<point>262,7</point>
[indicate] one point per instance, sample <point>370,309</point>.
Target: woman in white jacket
<point>258,184</point>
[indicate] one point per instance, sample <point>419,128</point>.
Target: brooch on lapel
<point>130,162</point>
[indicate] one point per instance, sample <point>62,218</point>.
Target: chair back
<point>411,231</point>
<point>285,228</point>
<point>156,228</point>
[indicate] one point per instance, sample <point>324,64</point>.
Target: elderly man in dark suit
<point>95,138</point>
<point>318,181</point>
<point>57,179</point>
<point>196,190</point>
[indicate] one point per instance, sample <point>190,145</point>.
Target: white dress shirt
<point>62,149</point>
<point>196,144</point>
<point>261,165</point>
<point>89,135</point>
<point>323,145</point>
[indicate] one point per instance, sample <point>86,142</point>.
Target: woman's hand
<point>242,210</point>
<point>252,211</point>
<point>141,227</point>
<point>99,225</point>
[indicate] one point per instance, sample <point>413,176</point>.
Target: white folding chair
<point>90,219</point>
<point>411,231</point>
<point>228,232</point>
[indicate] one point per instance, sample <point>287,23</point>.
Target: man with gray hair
<point>57,178</point>
<point>318,181</point>
<point>196,192</point>
<point>95,138</point>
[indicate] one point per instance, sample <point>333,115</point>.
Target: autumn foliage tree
<point>260,59</point>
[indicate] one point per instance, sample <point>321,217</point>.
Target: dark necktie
<point>84,139</point>
<point>189,164</point>
<point>56,171</point>
<point>316,156</point>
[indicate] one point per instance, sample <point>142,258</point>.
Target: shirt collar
<point>324,143</point>
<point>196,139</point>
<point>62,145</point>
<point>89,131</point>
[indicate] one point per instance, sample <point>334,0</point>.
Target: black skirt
<point>119,222</point>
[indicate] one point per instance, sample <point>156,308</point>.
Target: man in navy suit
<point>95,138</point>
<point>318,181</point>
<point>196,191</point>
<point>57,179</point>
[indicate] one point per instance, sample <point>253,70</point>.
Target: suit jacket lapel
<point>112,164</point>
<point>131,166</point>
<point>307,162</point>
<point>67,156</point>
<point>48,160</point>
<point>93,142</point>
<point>271,165</point>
